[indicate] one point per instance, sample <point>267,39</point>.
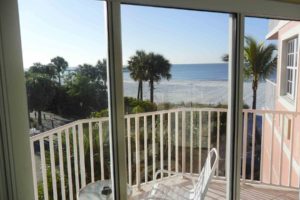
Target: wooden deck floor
<point>217,191</point>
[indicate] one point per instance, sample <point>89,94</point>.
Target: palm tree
<point>60,65</point>
<point>102,70</point>
<point>259,62</point>
<point>137,67</point>
<point>157,68</point>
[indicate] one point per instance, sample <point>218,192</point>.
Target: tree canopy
<point>137,66</point>
<point>40,88</point>
<point>260,63</point>
<point>75,95</point>
<point>60,65</point>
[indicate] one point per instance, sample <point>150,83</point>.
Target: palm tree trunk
<point>59,79</point>
<point>151,84</point>
<point>39,117</point>
<point>141,91</point>
<point>254,88</point>
<point>138,94</point>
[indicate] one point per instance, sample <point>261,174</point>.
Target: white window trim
<point>293,67</point>
<point>14,136</point>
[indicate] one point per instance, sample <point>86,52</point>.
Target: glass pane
<point>176,94</point>
<point>64,52</point>
<point>269,144</point>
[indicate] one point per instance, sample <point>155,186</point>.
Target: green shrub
<point>132,105</point>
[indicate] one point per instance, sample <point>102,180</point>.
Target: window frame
<point>17,149</point>
<point>14,138</point>
<point>292,66</point>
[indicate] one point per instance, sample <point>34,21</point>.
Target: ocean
<point>188,72</point>
<point>197,83</point>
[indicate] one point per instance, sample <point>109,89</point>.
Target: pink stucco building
<point>281,149</point>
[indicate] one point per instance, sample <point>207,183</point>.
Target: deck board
<point>217,191</point>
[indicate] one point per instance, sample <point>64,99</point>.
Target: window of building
<point>292,52</point>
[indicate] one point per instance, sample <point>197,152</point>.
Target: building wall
<point>279,146</point>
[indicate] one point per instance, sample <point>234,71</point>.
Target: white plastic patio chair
<point>163,192</point>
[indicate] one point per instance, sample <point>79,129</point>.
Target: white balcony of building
<point>67,158</point>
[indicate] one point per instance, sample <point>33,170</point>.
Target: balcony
<point>67,158</point>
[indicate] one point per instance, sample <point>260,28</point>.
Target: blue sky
<point>75,30</point>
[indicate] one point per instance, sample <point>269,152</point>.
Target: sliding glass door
<point>124,94</point>
<point>176,95</point>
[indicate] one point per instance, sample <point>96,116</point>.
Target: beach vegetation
<point>131,106</point>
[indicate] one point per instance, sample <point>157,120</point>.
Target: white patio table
<point>99,190</point>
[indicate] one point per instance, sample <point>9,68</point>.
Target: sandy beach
<point>196,91</point>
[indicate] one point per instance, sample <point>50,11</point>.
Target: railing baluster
<point>176,141</point>
<point>75,158</point>
<point>183,126</point>
<point>44,169</point>
<point>218,141</point>
<point>262,147</point>
<point>35,187</point>
<point>191,141</point>
<point>209,131</point>
<point>129,150</point>
<point>271,150</point>
<point>245,138</point>
<point>161,144</point>
<point>292,130</point>
<point>169,142</point>
<point>53,167</point>
<point>69,164</point>
<point>146,149</point>
<point>153,146</point>
<point>81,156</point>
<point>61,166</point>
<point>253,144</point>
<point>101,149</point>
<point>292,149</point>
<point>91,151</point>
<point>281,147</point>
<point>200,141</point>
<point>137,151</point>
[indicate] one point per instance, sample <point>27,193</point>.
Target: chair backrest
<point>206,175</point>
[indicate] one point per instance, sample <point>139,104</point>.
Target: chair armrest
<point>175,173</point>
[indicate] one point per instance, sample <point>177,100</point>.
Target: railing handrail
<point>146,114</point>
<point>80,121</point>
<point>271,82</point>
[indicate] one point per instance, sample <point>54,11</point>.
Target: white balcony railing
<point>66,158</point>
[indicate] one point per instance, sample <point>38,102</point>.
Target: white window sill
<point>287,102</point>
